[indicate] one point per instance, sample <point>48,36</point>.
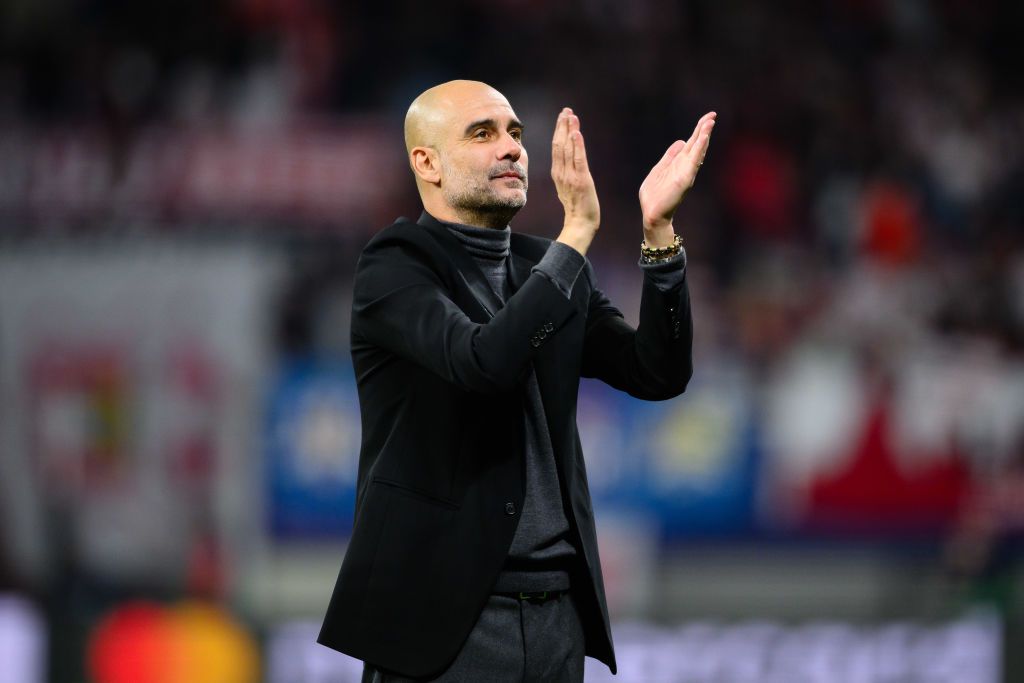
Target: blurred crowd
<point>861,193</point>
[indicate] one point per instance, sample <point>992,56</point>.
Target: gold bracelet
<point>650,254</point>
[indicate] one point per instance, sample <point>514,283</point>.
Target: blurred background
<point>184,190</point>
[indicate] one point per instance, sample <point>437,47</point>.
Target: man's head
<point>466,149</point>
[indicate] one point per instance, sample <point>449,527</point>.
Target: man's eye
<point>480,134</point>
<point>517,134</point>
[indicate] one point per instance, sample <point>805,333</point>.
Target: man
<point>473,555</point>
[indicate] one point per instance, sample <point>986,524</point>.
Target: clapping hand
<point>670,179</point>
<point>575,185</point>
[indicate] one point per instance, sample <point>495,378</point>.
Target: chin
<point>515,198</point>
<point>514,204</point>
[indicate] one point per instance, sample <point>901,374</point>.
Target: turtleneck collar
<point>487,243</point>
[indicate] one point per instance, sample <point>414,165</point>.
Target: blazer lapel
<point>465,265</point>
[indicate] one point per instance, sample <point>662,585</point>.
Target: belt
<point>534,596</point>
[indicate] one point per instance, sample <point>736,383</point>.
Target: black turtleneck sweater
<point>541,550</point>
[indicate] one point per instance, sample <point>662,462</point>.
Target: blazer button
<point>535,342</point>
<point>548,327</point>
<point>542,334</point>
<point>510,508</point>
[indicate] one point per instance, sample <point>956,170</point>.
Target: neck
<point>488,244</point>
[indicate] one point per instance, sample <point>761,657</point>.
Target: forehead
<point>480,106</point>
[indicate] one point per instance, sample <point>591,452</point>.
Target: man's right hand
<point>574,183</point>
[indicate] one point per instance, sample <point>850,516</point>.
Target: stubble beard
<point>476,200</point>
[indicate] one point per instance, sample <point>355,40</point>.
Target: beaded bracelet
<point>651,254</point>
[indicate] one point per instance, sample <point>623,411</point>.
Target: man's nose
<point>510,148</point>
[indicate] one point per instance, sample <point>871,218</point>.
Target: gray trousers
<point>513,641</point>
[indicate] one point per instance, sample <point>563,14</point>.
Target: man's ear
<point>426,164</point>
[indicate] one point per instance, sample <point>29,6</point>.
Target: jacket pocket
<point>416,493</point>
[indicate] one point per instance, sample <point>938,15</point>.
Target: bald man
<point>473,556</point>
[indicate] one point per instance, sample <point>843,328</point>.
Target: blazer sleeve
<point>401,304</point>
<point>654,361</point>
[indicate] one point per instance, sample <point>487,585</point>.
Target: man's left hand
<point>670,179</point>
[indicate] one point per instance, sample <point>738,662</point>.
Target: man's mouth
<point>509,174</point>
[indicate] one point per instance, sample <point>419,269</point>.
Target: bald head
<point>465,147</point>
<point>436,109</point>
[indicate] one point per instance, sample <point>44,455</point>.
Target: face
<point>484,164</point>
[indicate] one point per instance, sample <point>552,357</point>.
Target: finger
<point>562,124</point>
<point>670,153</point>
<point>695,156</point>
<point>579,153</point>
<point>557,142</point>
<point>710,116</point>
<point>569,149</point>
<point>685,166</point>
<point>705,141</point>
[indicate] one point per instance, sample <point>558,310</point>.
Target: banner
<point>312,442</point>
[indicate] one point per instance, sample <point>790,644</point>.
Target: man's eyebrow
<point>491,123</point>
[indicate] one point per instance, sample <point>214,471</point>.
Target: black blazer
<point>439,365</point>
